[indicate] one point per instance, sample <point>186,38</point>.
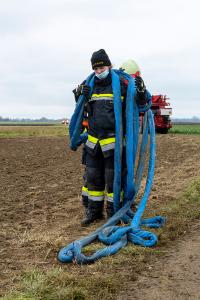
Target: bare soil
<point>174,277</point>
<point>40,188</point>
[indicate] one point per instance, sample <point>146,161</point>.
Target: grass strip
<point>185,129</point>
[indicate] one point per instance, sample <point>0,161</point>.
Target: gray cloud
<point>46,49</point>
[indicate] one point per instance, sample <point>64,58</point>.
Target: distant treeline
<point>193,120</point>
<point>27,120</point>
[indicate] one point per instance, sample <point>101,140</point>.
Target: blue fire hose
<point>113,236</point>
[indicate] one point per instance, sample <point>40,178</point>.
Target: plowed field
<point>40,187</point>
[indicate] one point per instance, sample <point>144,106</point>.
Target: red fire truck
<point>162,113</point>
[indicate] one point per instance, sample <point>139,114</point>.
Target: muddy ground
<point>40,187</point>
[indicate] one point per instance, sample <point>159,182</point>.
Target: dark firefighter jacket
<point>101,117</point>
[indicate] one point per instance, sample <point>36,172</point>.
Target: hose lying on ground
<point>116,237</point>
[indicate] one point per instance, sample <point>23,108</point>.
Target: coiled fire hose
<point>113,236</point>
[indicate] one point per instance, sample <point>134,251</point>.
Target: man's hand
<point>139,83</point>
<point>83,89</point>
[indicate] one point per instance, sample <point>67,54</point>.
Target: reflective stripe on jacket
<point>98,97</point>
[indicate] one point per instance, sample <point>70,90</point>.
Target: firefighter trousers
<point>99,177</point>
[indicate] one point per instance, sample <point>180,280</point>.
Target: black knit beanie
<point>100,58</point>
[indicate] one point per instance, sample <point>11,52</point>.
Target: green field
<point>32,130</point>
<point>27,123</point>
<point>49,129</point>
<point>185,129</point>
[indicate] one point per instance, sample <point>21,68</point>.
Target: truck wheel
<point>162,130</point>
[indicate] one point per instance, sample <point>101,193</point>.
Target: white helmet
<point>130,67</point>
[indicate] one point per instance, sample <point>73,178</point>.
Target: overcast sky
<point>46,46</point>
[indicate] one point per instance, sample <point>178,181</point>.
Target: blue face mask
<point>102,75</point>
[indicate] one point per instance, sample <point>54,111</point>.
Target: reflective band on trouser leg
<point>84,191</point>
<point>110,197</point>
<point>96,195</point>
<point>85,196</point>
<point>91,141</point>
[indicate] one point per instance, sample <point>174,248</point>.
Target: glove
<point>139,83</point>
<point>83,139</point>
<point>83,89</point>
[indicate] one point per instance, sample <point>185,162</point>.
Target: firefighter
<point>131,68</point>
<point>101,136</point>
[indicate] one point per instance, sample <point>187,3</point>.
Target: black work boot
<point>94,212</point>
<point>110,209</point>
